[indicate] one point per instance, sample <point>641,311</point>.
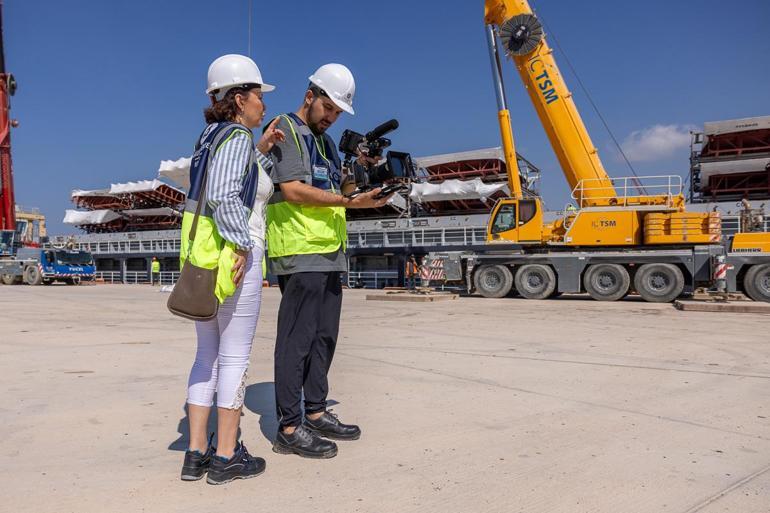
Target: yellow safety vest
<point>210,250</point>
<point>295,229</point>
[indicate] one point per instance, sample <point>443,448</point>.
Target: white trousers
<point>224,344</point>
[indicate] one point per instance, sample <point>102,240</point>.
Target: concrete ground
<point>473,405</point>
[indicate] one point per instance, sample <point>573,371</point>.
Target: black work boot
<point>241,466</point>
<point>329,426</point>
<point>305,443</point>
<point>196,463</point>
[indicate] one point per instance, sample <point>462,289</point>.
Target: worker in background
<point>306,229</point>
<point>228,240</point>
<point>412,272</point>
<point>155,268</point>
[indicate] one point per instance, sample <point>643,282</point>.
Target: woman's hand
<point>271,136</point>
<point>239,267</point>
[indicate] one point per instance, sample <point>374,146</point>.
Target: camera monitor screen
<point>400,164</point>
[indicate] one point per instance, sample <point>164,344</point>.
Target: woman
<point>225,153</point>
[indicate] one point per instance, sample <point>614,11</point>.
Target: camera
<point>391,175</point>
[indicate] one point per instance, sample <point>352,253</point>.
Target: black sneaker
<point>305,443</point>
<point>329,426</point>
<point>241,466</point>
<point>196,464</point>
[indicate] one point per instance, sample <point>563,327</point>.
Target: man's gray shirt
<point>288,166</point>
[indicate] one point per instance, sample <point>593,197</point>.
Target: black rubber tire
<point>8,279</point>
<point>33,276</point>
<point>535,281</point>
<point>756,283</point>
<point>47,282</point>
<point>493,281</point>
<point>659,283</point>
<point>606,282</point>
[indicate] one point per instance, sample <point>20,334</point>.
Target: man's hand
<point>239,267</point>
<point>368,200</point>
<point>270,137</point>
<point>365,160</point>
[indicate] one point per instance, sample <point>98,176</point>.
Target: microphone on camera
<point>381,130</point>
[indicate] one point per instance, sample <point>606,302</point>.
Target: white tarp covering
<point>455,190</point>
<point>124,188</point>
<point>130,187</point>
<point>92,217</point>
<point>435,160</point>
<point>149,212</point>
<point>736,125</point>
<point>98,192</point>
<point>177,171</point>
<point>729,167</point>
<point>398,202</point>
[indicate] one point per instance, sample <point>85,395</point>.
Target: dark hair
<point>317,91</point>
<point>226,109</point>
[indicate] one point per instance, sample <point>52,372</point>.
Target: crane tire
<point>606,282</point>
<point>756,283</point>
<point>32,275</point>
<point>659,283</point>
<point>535,281</point>
<point>493,281</point>
<point>9,279</point>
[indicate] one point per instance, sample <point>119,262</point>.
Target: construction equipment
<point>624,231</point>
<point>22,231</point>
<point>7,202</point>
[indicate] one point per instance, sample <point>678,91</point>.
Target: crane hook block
<point>521,34</point>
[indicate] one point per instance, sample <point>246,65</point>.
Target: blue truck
<point>36,266</point>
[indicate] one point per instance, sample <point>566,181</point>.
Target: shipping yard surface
<point>473,405</point>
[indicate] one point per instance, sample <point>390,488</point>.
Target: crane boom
<point>524,41</point>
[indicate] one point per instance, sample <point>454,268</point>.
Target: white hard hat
<point>337,82</point>
<point>233,70</point>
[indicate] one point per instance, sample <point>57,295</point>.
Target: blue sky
<point>108,89</point>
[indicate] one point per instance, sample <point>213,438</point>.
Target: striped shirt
<point>228,170</point>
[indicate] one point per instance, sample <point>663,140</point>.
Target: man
<point>411,272</point>
<point>306,234</point>
<point>155,268</point>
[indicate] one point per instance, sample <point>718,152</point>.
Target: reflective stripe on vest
<point>210,250</point>
<point>295,229</point>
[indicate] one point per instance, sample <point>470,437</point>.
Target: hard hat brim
<point>344,106</point>
<point>265,88</point>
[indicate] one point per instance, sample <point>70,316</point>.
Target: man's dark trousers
<point>308,324</point>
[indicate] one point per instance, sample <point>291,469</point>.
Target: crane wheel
<point>607,282</point>
<point>535,281</point>
<point>33,276</point>
<point>493,281</point>
<point>756,283</point>
<point>659,283</point>
<point>10,279</point>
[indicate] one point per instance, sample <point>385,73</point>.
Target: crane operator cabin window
<point>505,220</point>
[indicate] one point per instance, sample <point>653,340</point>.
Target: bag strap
<point>202,196</point>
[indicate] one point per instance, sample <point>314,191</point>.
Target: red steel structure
<point>7,88</point>
<point>735,147</point>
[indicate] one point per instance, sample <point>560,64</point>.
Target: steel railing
<point>108,276</point>
<point>135,277</point>
<point>373,279</point>
<point>627,190</point>
<point>468,236</point>
<point>436,237</point>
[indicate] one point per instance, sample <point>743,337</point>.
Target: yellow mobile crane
<point>624,230</point>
